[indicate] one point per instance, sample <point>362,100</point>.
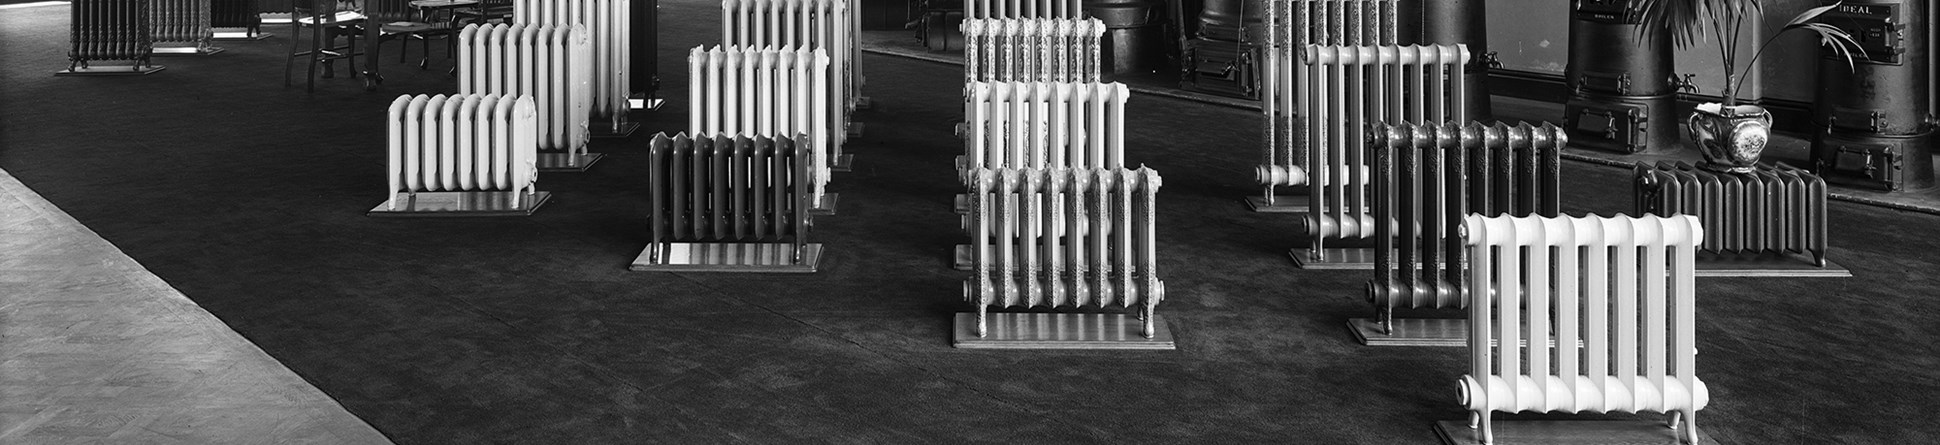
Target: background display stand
<point>109,30</point>
<point>727,257</point>
<point>1567,432</point>
<point>550,162</point>
<point>236,20</point>
<point>462,204</point>
<point>1009,330</point>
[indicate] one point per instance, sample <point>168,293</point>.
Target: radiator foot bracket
<point>462,204</point>
<point>567,162</point>
<point>1439,332</point>
<point>1767,265</point>
<point>1060,331</point>
<point>111,70</point>
<point>729,257</point>
<point>1568,432</point>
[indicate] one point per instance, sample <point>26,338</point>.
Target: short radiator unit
<point>1032,50</point>
<point>103,30</point>
<point>1045,125</point>
<point>609,24</point>
<point>722,203</point>
<point>182,26</point>
<point>551,64</point>
<point>1772,210</point>
<point>1353,86</point>
<point>768,92</point>
<point>1064,238</point>
<point>1426,179</point>
<point>1022,9</point>
<point>828,25</point>
<point>1292,25</point>
<point>482,146</point>
<point>1583,315</point>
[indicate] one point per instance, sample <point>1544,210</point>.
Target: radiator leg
<point>1269,196</point>
<point>1676,419</point>
<point>1387,319</point>
<point>1690,428</point>
<point>1474,420</point>
<point>1818,258</point>
<point>982,309</point>
<point>1488,433</point>
<point>1151,322</point>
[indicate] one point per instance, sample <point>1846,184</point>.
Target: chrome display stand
<point>727,257</point>
<point>242,34</point>
<point>1567,432</point>
<point>1061,331</point>
<point>567,162</point>
<point>1333,258</point>
<point>111,70</point>
<point>843,164</point>
<point>1439,332</point>
<point>825,206</point>
<point>462,204</point>
<point>188,50</point>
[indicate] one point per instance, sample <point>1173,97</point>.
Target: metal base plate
<point>461,204</point>
<point>186,51</point>
<point>625,130</point>
<point>854,129</point>
<point>1442,332</point>
<point>567,162</point>
<point>111,70</point>
<point>645,104</point>
<point>730,257</point>
<point>826,206</point>
<point>241,35</point>
<point>961,205</point>
<point>843,164</point>
<point>864,103</point>
<point>1281,204</point>
<point>1060,331</point>
<point>1768,265</point>
<point>1569,432</point>
<point>1343,258</point>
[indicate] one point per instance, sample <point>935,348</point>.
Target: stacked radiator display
<point>609,25</point>
<point>770,92</point>
<point>1293,26</point>
<point>827,25</point>
<point>182,23</point>
<point>110,30</point>
<point>1022,9</point>
<point>1771,210</point>
<point>551,64</point>
<point>1032,50</point>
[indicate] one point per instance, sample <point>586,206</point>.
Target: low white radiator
<point>461,142</point>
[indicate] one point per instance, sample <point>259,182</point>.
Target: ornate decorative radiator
<point>827,25</point>
<point>1353,86</point>
<point>1584,315</point>
<point>1774,209</point>
<point>1064,237</point>
<point>1045,125</point>
<point>464,142</point>
<point>609,24</point>
<point>1429,177</point>
<point>1022,9</point>
<point>1031,50</point>
<point>712,195</point>
<point>1292,25</point>
<point>774,93</point>
<point>110,30</point>
<point>551,64</point>
<point>182,26</point>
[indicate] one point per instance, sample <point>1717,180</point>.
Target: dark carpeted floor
<point>249,198</point>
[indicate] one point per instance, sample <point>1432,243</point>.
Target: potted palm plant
<point>1732,136</point>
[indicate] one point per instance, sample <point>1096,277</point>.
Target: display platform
<point>241,35</point>
<point>1281,204</point>
<point>1334,258</point>
<point>1439,332</point>
<point>624,130</point>
<point>864,103</point>
<point>843,164</point>
<point>567,162</point>
<point>854,129</point>
<point>1006,330</point>
<point>645,104</point>
<point>826,206</point>
<point>729,257</point>
<point>111,70</point>
<point>462,204</point>
<point>1569,432</point>
<point>186,51</point>
<point>1768,265</point>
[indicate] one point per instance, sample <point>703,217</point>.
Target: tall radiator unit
<point>1426,179</point>
<point>103,30</point>
<point>729,204</point>
<point>1064,238</point>
<point>1583,315</point>
<point>1022,9</point>
<point>462,155</point>
<point>608,23</point>
<point>1773,215</point>
<point>239,17</point>
<point>182,27</point>
<point>827,25</point>
<point>1351,87</point>
<point>768,92</point>
<point>1031,50</point>
<point>1292,25</point>
<point>551,64</point>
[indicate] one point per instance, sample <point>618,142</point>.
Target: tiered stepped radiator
<point>1292,25</point>
<point>553,65</point>
<point>1022,9</point>
<point>607,21</point>
<point>1032,50</point>
<point>109,30</point>
<point>1769,222</point>
<point>1350,87</point>
<point>827,25</point>
<point>182,27</point>
<point>1064,238</point>
<point>462,155</point>
<point>1426,179</point>
<point>1042,125</point>
<point>1582,315</point>
<point>236,20</point>
<point>711,196</point>
<point>774,93</point>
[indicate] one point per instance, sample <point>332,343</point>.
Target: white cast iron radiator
<point>826,25</point>
<point>774,93</point>
<point>1022,9</point>
<point>109,30</point>
<point>1587,314</point>
<point>462,142</point>
<point>1428,178</point>
<point>551,64</point>
<point>607,21</point>
<point>1770,210</point>
<point>1292,25</point>
<point>1031,50</point>
<point>1064,237</point>
<point>724,189</point>
<point>1045,125</point>
<point>182,26</point>
<point>1353,86</point>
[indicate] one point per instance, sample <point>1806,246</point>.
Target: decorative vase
<point>1731,138</point>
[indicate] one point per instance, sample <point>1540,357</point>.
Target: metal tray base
<point>186,51</point>
<point>462,204</point>
<point>625,130</point>
<point>854,129</point>
<point>241,35</point>
<point>826,206</point>
<point>730,257</point>
<point>1281,204</point>
<point>564,162</point>
<point>1334,258</point>
<point>961,205</point>
<point>843,164</point>
<point>1569,432</point>
<point>111,70</point>
<point>1441,332</point>
<point>645,104</point>
<point>1770,265</point>
<point>864,103</point>
<point>1060,331</point>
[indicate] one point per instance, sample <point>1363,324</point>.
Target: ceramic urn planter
<point>1731,138</point>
